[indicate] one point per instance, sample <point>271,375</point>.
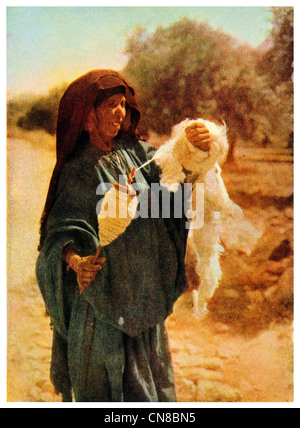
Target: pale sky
<point>49,45</point>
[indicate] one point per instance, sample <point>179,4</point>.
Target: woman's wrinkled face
<point>110,115</point>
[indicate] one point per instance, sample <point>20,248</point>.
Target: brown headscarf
<point>74,109</point>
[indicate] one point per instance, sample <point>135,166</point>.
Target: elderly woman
<point>109,339</point>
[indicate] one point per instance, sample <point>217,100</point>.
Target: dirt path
<point>215,364</point>
<point>213,360</point>
<point>29,335</point>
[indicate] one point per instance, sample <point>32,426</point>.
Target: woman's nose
<point>120,111</point>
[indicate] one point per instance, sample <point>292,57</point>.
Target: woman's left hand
<point>198,135</point>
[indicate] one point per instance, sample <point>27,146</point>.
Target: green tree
<point>41,113</point>
<point>176,71</point>
<point>277,61</point>
<point>277,64</point>
<point>192,70</point>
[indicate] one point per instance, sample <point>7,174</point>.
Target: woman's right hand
<point>86,268</point>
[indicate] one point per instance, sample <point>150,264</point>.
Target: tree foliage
<point>277,65</point>
<point>277,61</point>
<point>192,70</point>
<point>37,113</point>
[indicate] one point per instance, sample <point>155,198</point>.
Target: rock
<point>282,251</point>
<point>266,279</point>
<point>38,354</point>
<point>46,397</point>
<point>269,292</point>
<point>255,296</point>
<point>208,391</point>
<point>276,267</point>
<point>275,221</point>
<point>185,390</point>
<point>221,327</point>
<point>197,361</point>
<point>284,292</point>
<point>37,365</point>
<point>42,384</point>
<point>36,376</point>
<point>175,345</point>
<point>34,393</point>
<point>289,212</point>
<point>196,373</point>
<point>231,293</point>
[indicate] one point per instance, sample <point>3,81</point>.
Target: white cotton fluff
<point>178,154</point>
<point>224,221</point>
<point>117,211</point>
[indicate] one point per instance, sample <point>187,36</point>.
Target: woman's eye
<point>114,104</point>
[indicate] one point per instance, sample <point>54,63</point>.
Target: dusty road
<point>215,360</point>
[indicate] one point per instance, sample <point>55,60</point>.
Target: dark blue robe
<point>110,342</point>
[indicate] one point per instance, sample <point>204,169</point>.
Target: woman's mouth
<point>117,124</point>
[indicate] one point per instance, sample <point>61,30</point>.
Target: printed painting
<point>190,305</point>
